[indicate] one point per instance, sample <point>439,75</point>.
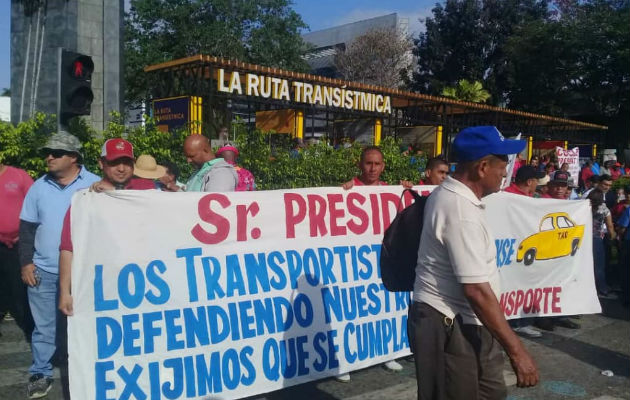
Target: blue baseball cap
<point>477,142</point>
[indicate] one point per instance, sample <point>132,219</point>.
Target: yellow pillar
<point>195,115</point>
<point>530,148</point>
<point>566,144</point>
<point>594,150</point>
<point>299,124</point>
<point>378,126</point>
<point>438,141</point>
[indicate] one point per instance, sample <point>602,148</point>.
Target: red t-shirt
<point>585,174</point>
<point>140,184</point>
<point>515,189</point>
<point>66,236</point>
<point>358,182</point>
<point>14,183</point>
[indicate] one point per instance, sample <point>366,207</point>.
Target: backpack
<point>399,251</point>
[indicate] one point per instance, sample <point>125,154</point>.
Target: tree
<point>6,92</point>
<point>264,32</point>
<point>379,57</point>
<point>465,39</point>
<point>467,91</point>
<point>575,65</point>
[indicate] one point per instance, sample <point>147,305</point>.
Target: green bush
<point>268,156</point>
<point>277,167</point>
<point>19,145</point>
<point>621,183</point>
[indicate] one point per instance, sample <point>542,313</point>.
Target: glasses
<point>55,153</point>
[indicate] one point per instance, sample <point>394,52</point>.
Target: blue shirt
<point>46,204</point>
<point>624,221</point>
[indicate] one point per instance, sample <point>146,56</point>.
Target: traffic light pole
<point>59,62</point>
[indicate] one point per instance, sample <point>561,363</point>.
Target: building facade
<point>328,42</point>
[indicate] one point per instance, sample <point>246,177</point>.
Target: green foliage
<point>269,156</point>
<point>280,166</point>
<point>265,32</point>
<point>620,183</point>
<point>585,53</point>
<point>465,39</point>
<point>467,91</point>
<point>19,146</point>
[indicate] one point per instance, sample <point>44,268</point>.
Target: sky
<point>317,14</point>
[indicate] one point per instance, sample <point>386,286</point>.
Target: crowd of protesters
<point>35,256</point>
<point>36,247</point>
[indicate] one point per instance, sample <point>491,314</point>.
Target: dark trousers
<point>13,296</point>
<point>611,273</point>
<point>454,360</point>
<point>62,354</point>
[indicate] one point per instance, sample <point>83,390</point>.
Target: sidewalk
<point>570,361</point>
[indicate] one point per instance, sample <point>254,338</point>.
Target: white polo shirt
<point>456,248</point>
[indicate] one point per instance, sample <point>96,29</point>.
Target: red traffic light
<point>75,85</point>
<point>82,68</point>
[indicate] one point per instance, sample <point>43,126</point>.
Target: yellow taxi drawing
<point>558,236</point>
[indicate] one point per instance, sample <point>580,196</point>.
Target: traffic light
<point>75,85</point>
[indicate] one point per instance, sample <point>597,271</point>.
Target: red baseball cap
<point>113,149</point>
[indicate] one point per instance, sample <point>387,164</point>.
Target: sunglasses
<point>55,153</point>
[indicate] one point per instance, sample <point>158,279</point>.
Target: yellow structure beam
<point>378,127</point>
<point>195,115</point>
<point>438,141</point>
<point>530,147</point>
<point>299,124</point>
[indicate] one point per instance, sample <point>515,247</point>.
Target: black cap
<point>528,172</point>
<point>560,177</point>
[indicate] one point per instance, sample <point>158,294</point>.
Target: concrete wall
<point>92,27</point>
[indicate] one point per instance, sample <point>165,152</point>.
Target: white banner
<point>198,295</point>
<point>544,255</point>
<point>571,157</point>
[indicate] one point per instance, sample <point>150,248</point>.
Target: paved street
<point>571,363</point>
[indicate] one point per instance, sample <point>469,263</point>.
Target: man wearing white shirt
<point>457,327</point>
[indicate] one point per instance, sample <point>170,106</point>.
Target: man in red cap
<point>117,164</point>
<point>245,178</point>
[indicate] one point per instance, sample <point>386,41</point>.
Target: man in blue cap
<point>456,324</point>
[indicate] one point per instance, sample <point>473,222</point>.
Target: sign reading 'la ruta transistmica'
<point>268,87</point>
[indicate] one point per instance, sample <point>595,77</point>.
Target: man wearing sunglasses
<point>41,221</point>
